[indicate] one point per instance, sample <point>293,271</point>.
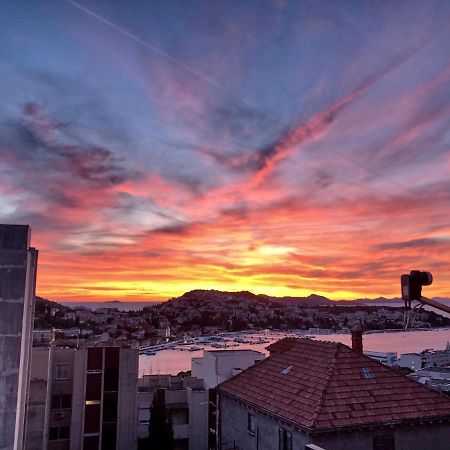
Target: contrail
<point>156,50</point>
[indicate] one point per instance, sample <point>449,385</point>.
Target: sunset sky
<point>281,147</point>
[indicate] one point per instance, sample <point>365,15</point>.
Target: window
<point>93,386</point>
<point>95,359</point>
<point>61,401</point>
<point>92,419</point>
<point>383,442</point>
<point>251,423</point>
<point>61,372</point>
<point>285,439</point>
<point>110,407</point>
<point>58,433</point>
<point>144,416</point>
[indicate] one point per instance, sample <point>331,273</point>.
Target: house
<point>329,395</point>
<point>216,366</point>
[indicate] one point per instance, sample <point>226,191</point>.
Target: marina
<point>176,356</point>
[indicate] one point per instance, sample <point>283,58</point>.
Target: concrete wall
<point>18,265</point>
<point>198,419</point>
<point>233,430</point>
<point>38,399</point>
<point>233,419</point>
<point>127,410</point>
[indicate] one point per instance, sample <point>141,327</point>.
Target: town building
<point>216,366</point>
<point>427,358</point>
<point>387,358</point>
<point>437,378</point>
<point>18,266</point>
<point>186,401</point>
<point>82,398</point>
<point>331,396</point>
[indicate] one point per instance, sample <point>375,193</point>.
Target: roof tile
<point>326,388</point>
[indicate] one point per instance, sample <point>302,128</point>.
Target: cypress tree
<point>160,435</point>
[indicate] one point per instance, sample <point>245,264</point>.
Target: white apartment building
<point>216,366</point>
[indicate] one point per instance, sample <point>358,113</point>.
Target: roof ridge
<point>327,382</point>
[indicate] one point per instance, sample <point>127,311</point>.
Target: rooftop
<point>321,385</point>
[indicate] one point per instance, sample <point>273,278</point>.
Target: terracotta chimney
<point>357,341</point>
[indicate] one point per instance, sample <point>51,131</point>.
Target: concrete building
<point>18,266</point>
<point>387,358</point>
<point>314,393</point>
<point>427,358</point>
<point>186,400</point>
<point>216,366</point>
<point>437,378</point>
<point>82,399</point>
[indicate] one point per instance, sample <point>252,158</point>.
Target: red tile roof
<point>322,385</point>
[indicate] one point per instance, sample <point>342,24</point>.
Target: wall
<point>18,265</point>
<point>233,429</point>
<point>198,418</point>
<point>127,410</point>
<point>233,419</point>
<point>38,399</point>
<point>217,366</point>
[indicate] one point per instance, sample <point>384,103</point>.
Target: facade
<point>388,358</point>
<point>216,366</point>
<point>82,399</point>
<point>326,394</point>
<point>437,378</point>
<point>427,358</point>
<point>186,400</point>
<point>18,266</point>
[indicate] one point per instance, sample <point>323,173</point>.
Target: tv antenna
<point>412,292</point>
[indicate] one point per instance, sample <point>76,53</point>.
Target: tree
<point>160,428</point>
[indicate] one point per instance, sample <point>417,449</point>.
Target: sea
<point>175,361</point>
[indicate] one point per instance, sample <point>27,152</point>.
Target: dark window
<point>53,433</point>
<point>111,381</point>
<point>90,443</point>
<point>181,444</point>
<point>110,407</point>
<point>66,401</point>
<point>61,401</point>
<point>251,423</point>
<point>93,386</point>
<point>64,432</point>
<point>285,439</point>
<point>55,402</point>
<point>92,418</point>
<point>109,436</point>
<point>95,358</point>
<point>384,442</point>
<point>58,433</point>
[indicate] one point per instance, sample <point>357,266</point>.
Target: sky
<point>280,147</point>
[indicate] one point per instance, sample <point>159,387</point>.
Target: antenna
<point>411,286</point>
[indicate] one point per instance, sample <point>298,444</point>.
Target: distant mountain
<point>212,294</point>
<point>43,304</point>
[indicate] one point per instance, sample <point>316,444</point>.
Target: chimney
<point>357,341</point>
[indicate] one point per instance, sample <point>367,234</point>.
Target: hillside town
<point>206,312</point>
